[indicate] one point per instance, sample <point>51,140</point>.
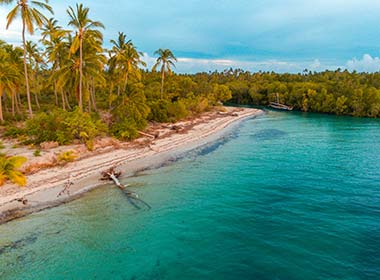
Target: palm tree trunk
<point>18,102</point>
<point>89,104</point>
<point>26,72</point>
<point>110,96</point>
<point>36,99</point>
<point>13,97</point>
<point>125,81</point>
<point>1,105</point>
<point>55,93</point>
<point>63,100</point>
<point>80,70</point>
<point>37,87</point>
<point>162,82</point>
<point>93,95</point>
<point>5,107</point>
<point>67,100</point>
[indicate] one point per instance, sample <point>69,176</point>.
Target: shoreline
<point>44,186</point>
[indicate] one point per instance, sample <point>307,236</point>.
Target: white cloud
<point>193,65</point>
<point>315,65</point>
<point>366,64</point>
<point>12,35</point>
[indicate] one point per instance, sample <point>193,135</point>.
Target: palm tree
<point>35,60</point>
<point>8,79</point>
<point>165,59</point>
<point>30,16</point>
<point>79,19</point>
<point>14,72</point>
<point>125,58</point>
<point>57,50</point>
<point>9,169</point>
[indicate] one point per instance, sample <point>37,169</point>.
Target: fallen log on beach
<point>132,197</point>
<point>148,135</point>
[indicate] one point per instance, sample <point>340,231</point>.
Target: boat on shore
<point>278,106</point>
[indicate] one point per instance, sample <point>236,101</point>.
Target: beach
<point>51,186</point>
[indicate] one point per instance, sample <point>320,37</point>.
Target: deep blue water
<point>283,196</point>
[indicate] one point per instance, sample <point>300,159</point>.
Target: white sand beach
<point>45,184</point>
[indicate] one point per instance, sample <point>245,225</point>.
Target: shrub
<point>64,127</point>
<point>131,113</point>
<point>67,156</point>
<point>37,153</point>
<point>177,110</point>
<point>166,111</point>
<point>158,111</point>
<point>14,132</point>
<point>9,166</point>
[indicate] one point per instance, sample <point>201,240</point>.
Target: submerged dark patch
<point>18,244</point>
<point>269,134</point>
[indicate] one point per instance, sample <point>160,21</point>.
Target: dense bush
<point>131,114</point>
<point>64,127</point>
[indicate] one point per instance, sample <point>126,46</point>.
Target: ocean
<point>281,196</point>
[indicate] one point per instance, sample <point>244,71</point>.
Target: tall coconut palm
<point>15,68</point>
<point>8,78</point>
<point>30,16</point>
<point>83,24</point>
<point>35,60</point>
<point>165,59</point>
<point>53,37</point>
<point>93,61</point>
<point>125,58</point>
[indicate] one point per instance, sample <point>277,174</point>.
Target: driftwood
<point>23,200</point>
<point>148,135</point>
<point>66,188</point>
<point>177,128</point>
<point>132,197</point>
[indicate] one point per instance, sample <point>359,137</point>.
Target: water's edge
<point>134,168</point>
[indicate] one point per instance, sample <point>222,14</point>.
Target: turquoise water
<point>284,196</point>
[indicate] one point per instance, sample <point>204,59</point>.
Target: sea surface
<point>282,196</point>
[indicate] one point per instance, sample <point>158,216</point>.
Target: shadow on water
<point>192,154</point>
<point>269,134</point>
<point>18,244</point>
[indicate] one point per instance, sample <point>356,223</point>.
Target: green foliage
<point>131,113</point>
<point>177,110</point>
<point>73,70</point>
<point>37,153</point>
<point>9,166</point>
<point>166,111</point>
<point>64,127</point>
<point>66,156</point>
<point>334,92</point>
<point>158,111</point>
<point>14,132</point>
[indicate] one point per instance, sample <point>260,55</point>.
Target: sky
<point>267,35</point>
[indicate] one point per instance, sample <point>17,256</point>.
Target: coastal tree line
<point>69,73</point>
<point>68,86</point>
<point>337,92</point>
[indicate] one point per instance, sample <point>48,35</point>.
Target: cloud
<point>193,65</point>
<point>366,64</point>
<point>12,35</point>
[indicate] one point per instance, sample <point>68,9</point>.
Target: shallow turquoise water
<point>285,196</point>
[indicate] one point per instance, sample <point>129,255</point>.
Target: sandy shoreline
<point>45,185</point>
